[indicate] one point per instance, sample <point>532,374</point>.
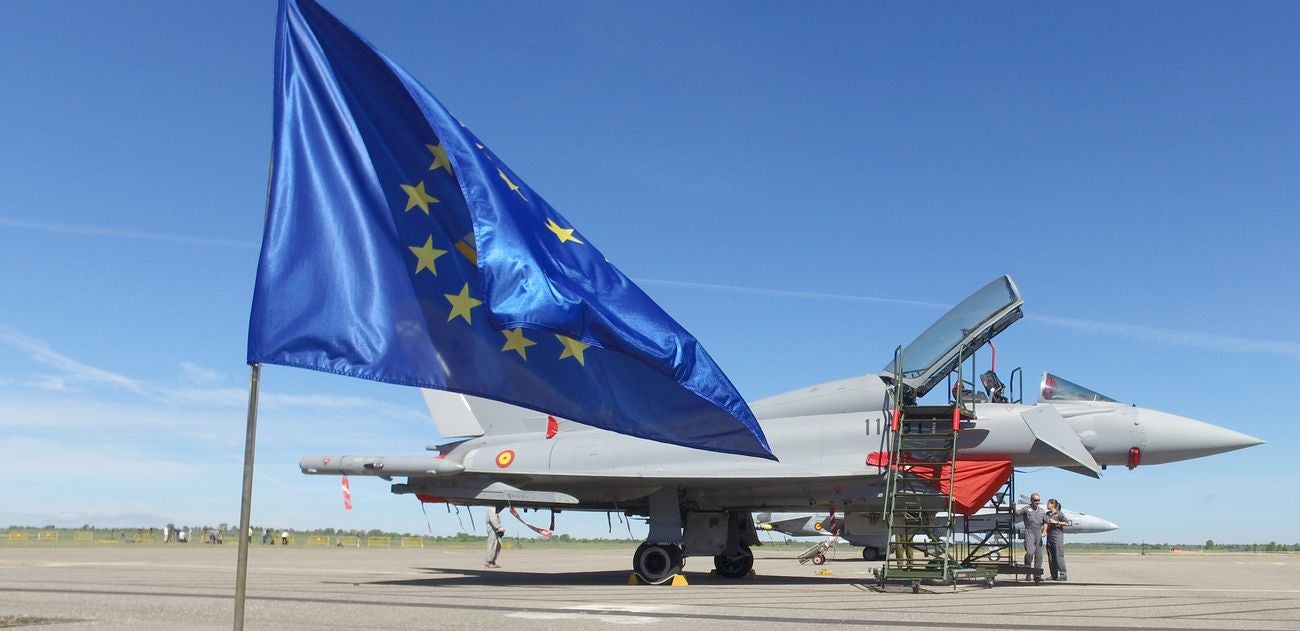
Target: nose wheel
<point>657,563</point>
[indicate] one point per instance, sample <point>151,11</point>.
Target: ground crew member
<point>1033,517</point>
<point>494,534</point>
<point>1055,528</point>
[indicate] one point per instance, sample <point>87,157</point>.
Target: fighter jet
<point>701,503</point>
<point>874,540</point>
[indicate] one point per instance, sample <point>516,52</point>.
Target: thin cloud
<point>136,235</point>
<point>41,352</point>
<point>175,397</point>
<point>199,375</point>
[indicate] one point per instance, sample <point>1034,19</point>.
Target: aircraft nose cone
<point>1170,438</point>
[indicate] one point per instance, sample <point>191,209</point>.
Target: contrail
<point>1149,334</point>
<point>786,293</point>
<point>1174,337</point>
<point>1154,335</point>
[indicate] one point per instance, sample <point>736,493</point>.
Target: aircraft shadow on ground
<point>451,576</point>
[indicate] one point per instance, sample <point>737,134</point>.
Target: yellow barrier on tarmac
<point>379,542</point>
<point>18,536</point>
<point>141,537</point>
<point>412,542</point>
<point>83,536</point>
<point>48,535</point>
<point>109,540</point>
<point>318,540</point>
<point>349,541</point>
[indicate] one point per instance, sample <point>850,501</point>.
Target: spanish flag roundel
<point>505,458</point>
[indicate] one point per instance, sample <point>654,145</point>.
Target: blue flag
<point>399,248</point>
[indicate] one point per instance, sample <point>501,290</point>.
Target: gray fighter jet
<point>701,503</point>
<point>873,539</point>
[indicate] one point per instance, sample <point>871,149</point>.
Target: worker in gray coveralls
<point>494,534</point>
<point>1032,516</point>
<point>1056,523</point>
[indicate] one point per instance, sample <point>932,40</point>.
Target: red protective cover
<point>974,482</point>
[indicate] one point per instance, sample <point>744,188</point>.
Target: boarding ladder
<point>922,450</point>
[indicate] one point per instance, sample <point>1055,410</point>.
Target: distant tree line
<point>1209,546</point>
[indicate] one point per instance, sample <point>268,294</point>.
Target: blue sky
<point>803,189</point>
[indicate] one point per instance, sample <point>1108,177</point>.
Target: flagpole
<point>245,504</point>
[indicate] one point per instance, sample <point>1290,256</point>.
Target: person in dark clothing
<point>1054,526</point>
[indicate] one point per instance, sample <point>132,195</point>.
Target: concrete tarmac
<point>192,587</point>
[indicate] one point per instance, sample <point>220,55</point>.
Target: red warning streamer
<point>545,534</point>
<point>347,494</point>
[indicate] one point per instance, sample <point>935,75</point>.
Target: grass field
<point>64,537</point>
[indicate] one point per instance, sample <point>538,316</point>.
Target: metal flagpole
<point>245,505</point>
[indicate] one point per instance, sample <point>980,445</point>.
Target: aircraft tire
<point>657,563</point>
<point>870,554</point>
<point>737,566</point>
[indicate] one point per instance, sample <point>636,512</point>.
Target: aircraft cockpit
<point>1056,388</point>
<point>957,335</point>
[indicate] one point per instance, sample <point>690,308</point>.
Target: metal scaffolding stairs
<point>920,541</point>
<point>919,484</point>
<point>994,548</point>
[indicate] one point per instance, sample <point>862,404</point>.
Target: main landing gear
<point>657,563</point>
<point>734,565</point>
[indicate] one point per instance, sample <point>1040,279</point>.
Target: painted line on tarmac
<point>861,622</point>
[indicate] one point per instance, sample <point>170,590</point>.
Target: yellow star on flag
<point>439,158</point>
<point>461,304</point>
<point>515,341</point>
<point>426,255</point>
<point>415,196</point>
<point>573,348</point>
<point>565,234</point>
<point>514,187</point>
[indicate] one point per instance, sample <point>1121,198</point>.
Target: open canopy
<point>958,334</point>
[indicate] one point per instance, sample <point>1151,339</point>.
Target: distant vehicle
<point>701,503</point>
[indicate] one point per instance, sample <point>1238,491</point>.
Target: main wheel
<point>656,563</point>
<point>870,554</point>
<point>735,566</point>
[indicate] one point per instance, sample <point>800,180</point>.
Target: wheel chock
<point>823,572</point>
<point>679,581</point>
<point>633,579</point>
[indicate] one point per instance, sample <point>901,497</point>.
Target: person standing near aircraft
<point>1055,528</point>
<point>494,534</point>
<point>1033,517</point>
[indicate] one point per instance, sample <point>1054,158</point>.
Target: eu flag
<point>398,247</point>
